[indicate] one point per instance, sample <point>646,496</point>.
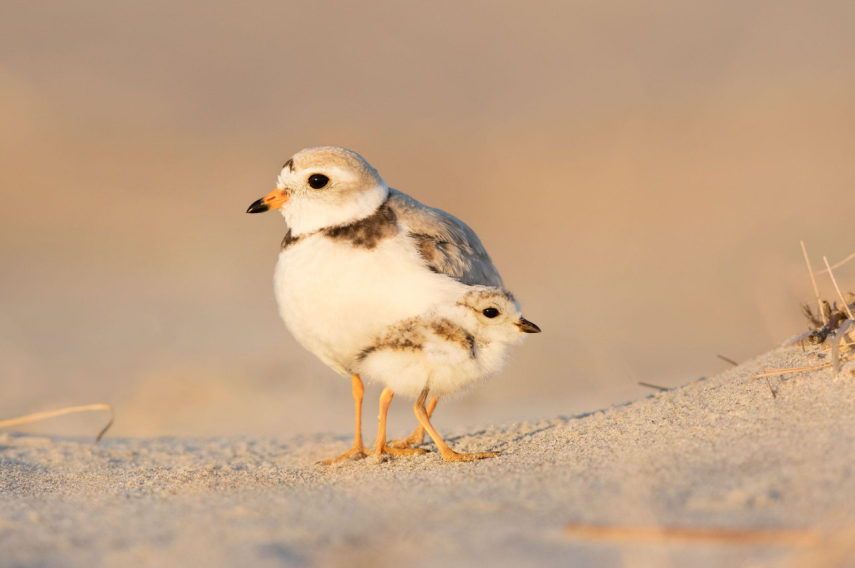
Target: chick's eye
<point>317,181</point>
<point>490,312</point>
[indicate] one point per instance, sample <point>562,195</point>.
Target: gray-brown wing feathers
<point>446,243</point>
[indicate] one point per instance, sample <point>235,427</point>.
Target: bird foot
<point>353,454</point>
<point>390,451</point>
<point>452,456</point>
<point>414,439</point>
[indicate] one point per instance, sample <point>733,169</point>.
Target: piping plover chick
<point>358,257</point>
<point>442,353</point>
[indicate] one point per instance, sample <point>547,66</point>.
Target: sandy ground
<point>716,453</point>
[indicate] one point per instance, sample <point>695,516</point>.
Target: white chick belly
<point>407,372</point>
<point>445,369</point>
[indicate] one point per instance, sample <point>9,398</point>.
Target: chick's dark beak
<point>526,326</point>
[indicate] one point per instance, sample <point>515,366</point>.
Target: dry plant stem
<point>380,447</point>
<point>835,350</point>
<point>694,535</point>
<point>357,452</point>
<point>728,359</point>
<point>447,453</point>
<point>653,386</point>
<point>68,410</point>
<point>839,264</point>
<point>787,371</point>
<point>790,370</point>
<point>813,281</point>
<point>417,438</point>
<point>770,388</point>
<point>836,287</point>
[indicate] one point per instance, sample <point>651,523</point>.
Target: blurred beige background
<point>641,173</point>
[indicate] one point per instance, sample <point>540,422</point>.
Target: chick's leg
<point>381,447</point>
<point>417,438</point>
<point>447,453</point>
<point>357,452</point>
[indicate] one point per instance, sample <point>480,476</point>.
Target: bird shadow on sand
<point>555,422</point>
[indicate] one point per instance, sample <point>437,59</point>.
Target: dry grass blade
<point>653,386</point>
<point>658,535</point>
<point>835,349</point>
<point>728,359</point>
<point>68,410</point>
<point>836,287</point>
<point>787,371</point>
<point>839,264</point>
<point>813,281</point>
<point>769,384</point>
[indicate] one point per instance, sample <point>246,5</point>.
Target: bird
<point>444,352</point>
<point>359,256</point>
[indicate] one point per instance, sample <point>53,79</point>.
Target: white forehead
<point>336,163</point>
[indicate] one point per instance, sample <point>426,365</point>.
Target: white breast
<point>336,298</point>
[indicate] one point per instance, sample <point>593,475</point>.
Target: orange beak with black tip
<point>526,326</point>
<point>273,200</point>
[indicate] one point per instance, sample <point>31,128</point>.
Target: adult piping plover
<point>358,257</point>
<point>441,353</point>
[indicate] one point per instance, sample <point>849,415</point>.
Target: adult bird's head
<point>324,187</point>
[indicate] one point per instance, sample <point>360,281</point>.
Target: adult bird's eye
<point>490,312</point>
<point>317,181</point>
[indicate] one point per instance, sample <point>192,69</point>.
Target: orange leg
<point>447,453</point>
<point>381,447</point>
<point>357,452</point>
<point>417,438</point>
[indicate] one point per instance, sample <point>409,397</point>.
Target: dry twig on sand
<point>728,359</point>
<point>769,384</point>
<point>68,410</point>
<point>789,370</point>
<point>653,386</point>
